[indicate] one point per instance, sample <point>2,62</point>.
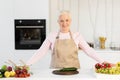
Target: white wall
<point>7,30</point>
<point>18,9</point>
<point>103,13</point>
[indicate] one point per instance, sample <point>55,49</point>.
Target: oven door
<point>29,38</point>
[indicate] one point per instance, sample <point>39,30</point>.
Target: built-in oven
<point>29,33</point>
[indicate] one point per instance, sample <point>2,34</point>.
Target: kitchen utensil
<point>12,62</point>
<point>115,46</point>
<point>22,62</point>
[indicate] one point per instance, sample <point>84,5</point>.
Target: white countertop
<point>107,50</point>
<point>85,73</point>
<point>46,74</point>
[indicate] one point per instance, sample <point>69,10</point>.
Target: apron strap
<point>57,37</point>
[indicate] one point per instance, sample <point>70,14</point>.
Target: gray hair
<point>65,12</point>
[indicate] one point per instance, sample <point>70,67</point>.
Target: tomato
<point>98,65</point>
<point>107,65</point>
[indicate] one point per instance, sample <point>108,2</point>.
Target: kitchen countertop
<point>107,50</point>
<point>46,74</point>
<point>85,73</point>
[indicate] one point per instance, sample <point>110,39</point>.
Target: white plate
<point>107,76</point>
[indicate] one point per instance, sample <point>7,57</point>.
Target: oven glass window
<point>30,36</point>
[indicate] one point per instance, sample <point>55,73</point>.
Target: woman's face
<point>64,22</point>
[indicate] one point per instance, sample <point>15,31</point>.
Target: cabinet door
<point>58,5</point>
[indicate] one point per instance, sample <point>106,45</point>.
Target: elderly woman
<point>64,45</point>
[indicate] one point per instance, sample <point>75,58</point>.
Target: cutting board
<point>58,72</point>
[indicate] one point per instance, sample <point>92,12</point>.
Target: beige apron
<point>65,53</point>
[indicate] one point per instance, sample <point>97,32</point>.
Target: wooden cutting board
<point>58,72</point>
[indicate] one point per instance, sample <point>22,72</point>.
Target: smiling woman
<point>64,21</point>
<point>64,45</point>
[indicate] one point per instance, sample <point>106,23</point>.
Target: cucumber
<point>68,69</point>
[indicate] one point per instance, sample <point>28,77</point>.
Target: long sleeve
<point>88,50</point>
<point>40,52</point>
